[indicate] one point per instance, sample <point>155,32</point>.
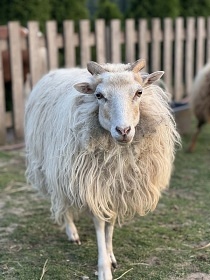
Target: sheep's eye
<point>138,93</point>
<point>99,95</point>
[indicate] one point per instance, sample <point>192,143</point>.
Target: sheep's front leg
<point>104,264</point>
<point>109,229</point>
<point>71,229</point>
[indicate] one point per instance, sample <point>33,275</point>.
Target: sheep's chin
<point>123,142</point>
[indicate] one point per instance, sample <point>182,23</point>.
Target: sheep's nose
<point>123,131</point>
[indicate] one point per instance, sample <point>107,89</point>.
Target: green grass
<point>164,245</point>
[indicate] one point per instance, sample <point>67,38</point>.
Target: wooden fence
<point>180,47</point>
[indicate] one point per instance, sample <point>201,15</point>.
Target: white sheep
<point>200,101</point>
<point>100,140</point>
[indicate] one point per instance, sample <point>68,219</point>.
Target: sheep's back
<point>200,95</point>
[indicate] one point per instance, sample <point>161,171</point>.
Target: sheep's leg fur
<point>109,229</point>
<point>71,229</point>
<point>104,262</point>
<point>195,136</point>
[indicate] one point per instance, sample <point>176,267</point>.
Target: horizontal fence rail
<point>180,47</point>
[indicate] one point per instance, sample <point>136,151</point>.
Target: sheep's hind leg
<point>104,263</point>
<point>71,229</point>
<point>195,136</point>
<point>109,229</point>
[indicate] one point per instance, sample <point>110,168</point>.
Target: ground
<point>171,243</point>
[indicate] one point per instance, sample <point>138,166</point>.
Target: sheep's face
<point>118,95</point>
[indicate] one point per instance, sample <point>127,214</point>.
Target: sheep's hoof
<point>77,241</point>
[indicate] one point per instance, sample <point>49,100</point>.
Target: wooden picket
<point>2,106</point>
<point>167,52</point>
<point>178,46</point>
<point>17,78</point>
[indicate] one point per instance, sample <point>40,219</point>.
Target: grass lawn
<point>170,243</point>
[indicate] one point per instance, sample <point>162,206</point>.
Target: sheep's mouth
<point>124,142</point>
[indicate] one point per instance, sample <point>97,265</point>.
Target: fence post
<point>178,60</point>
<point>200,36</point>
<point>115,41</point>
<point>100,35</point>
<point>17,78</point>
<point>33,43</point>
<point>189,53</point>
<point>2,105</point>
<point>208,39</point>
<point>130,40</point>
<point>143,41</point>
<point>84,42</point>
<point>51,28</point>
<point>167,52</point>
<point>69,43</point>
<point>156,39</point>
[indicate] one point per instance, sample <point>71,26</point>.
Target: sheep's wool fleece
<point>200,95</point>
<point>76,162</point>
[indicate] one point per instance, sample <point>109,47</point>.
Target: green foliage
<point>23,11</point>
<point>108,10</point>
<point>42,10</point>
<point>195,8</point>
<point>153,8</point>
<point>73,9</point>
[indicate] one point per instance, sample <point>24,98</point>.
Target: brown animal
<point>4,35</point>
<point>200,102</point>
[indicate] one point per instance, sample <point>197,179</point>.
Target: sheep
<point>100,140</point>
<point>200,102</point>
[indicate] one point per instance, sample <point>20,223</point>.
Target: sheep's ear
<point>153,77</point>
<point>84,88</point>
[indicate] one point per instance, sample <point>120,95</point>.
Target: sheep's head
<point>119,96</point>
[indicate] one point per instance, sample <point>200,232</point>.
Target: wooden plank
<point>142,41</point>
<point>69,44</point>
<point>100,38</point>
<point>17,78</point>
<point>9,122</point>
<point>189,53</point>
<point>33,43</point>
<point>85,55</point>
<point>115,41</point>
<point>156,37</point>
<point>208,40</point>
<point>2,105</point>
<point>167,52</point>
<point>178,60</point>
<point>130,37</point>
<point>200,43</point>
<point>51,29</point>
